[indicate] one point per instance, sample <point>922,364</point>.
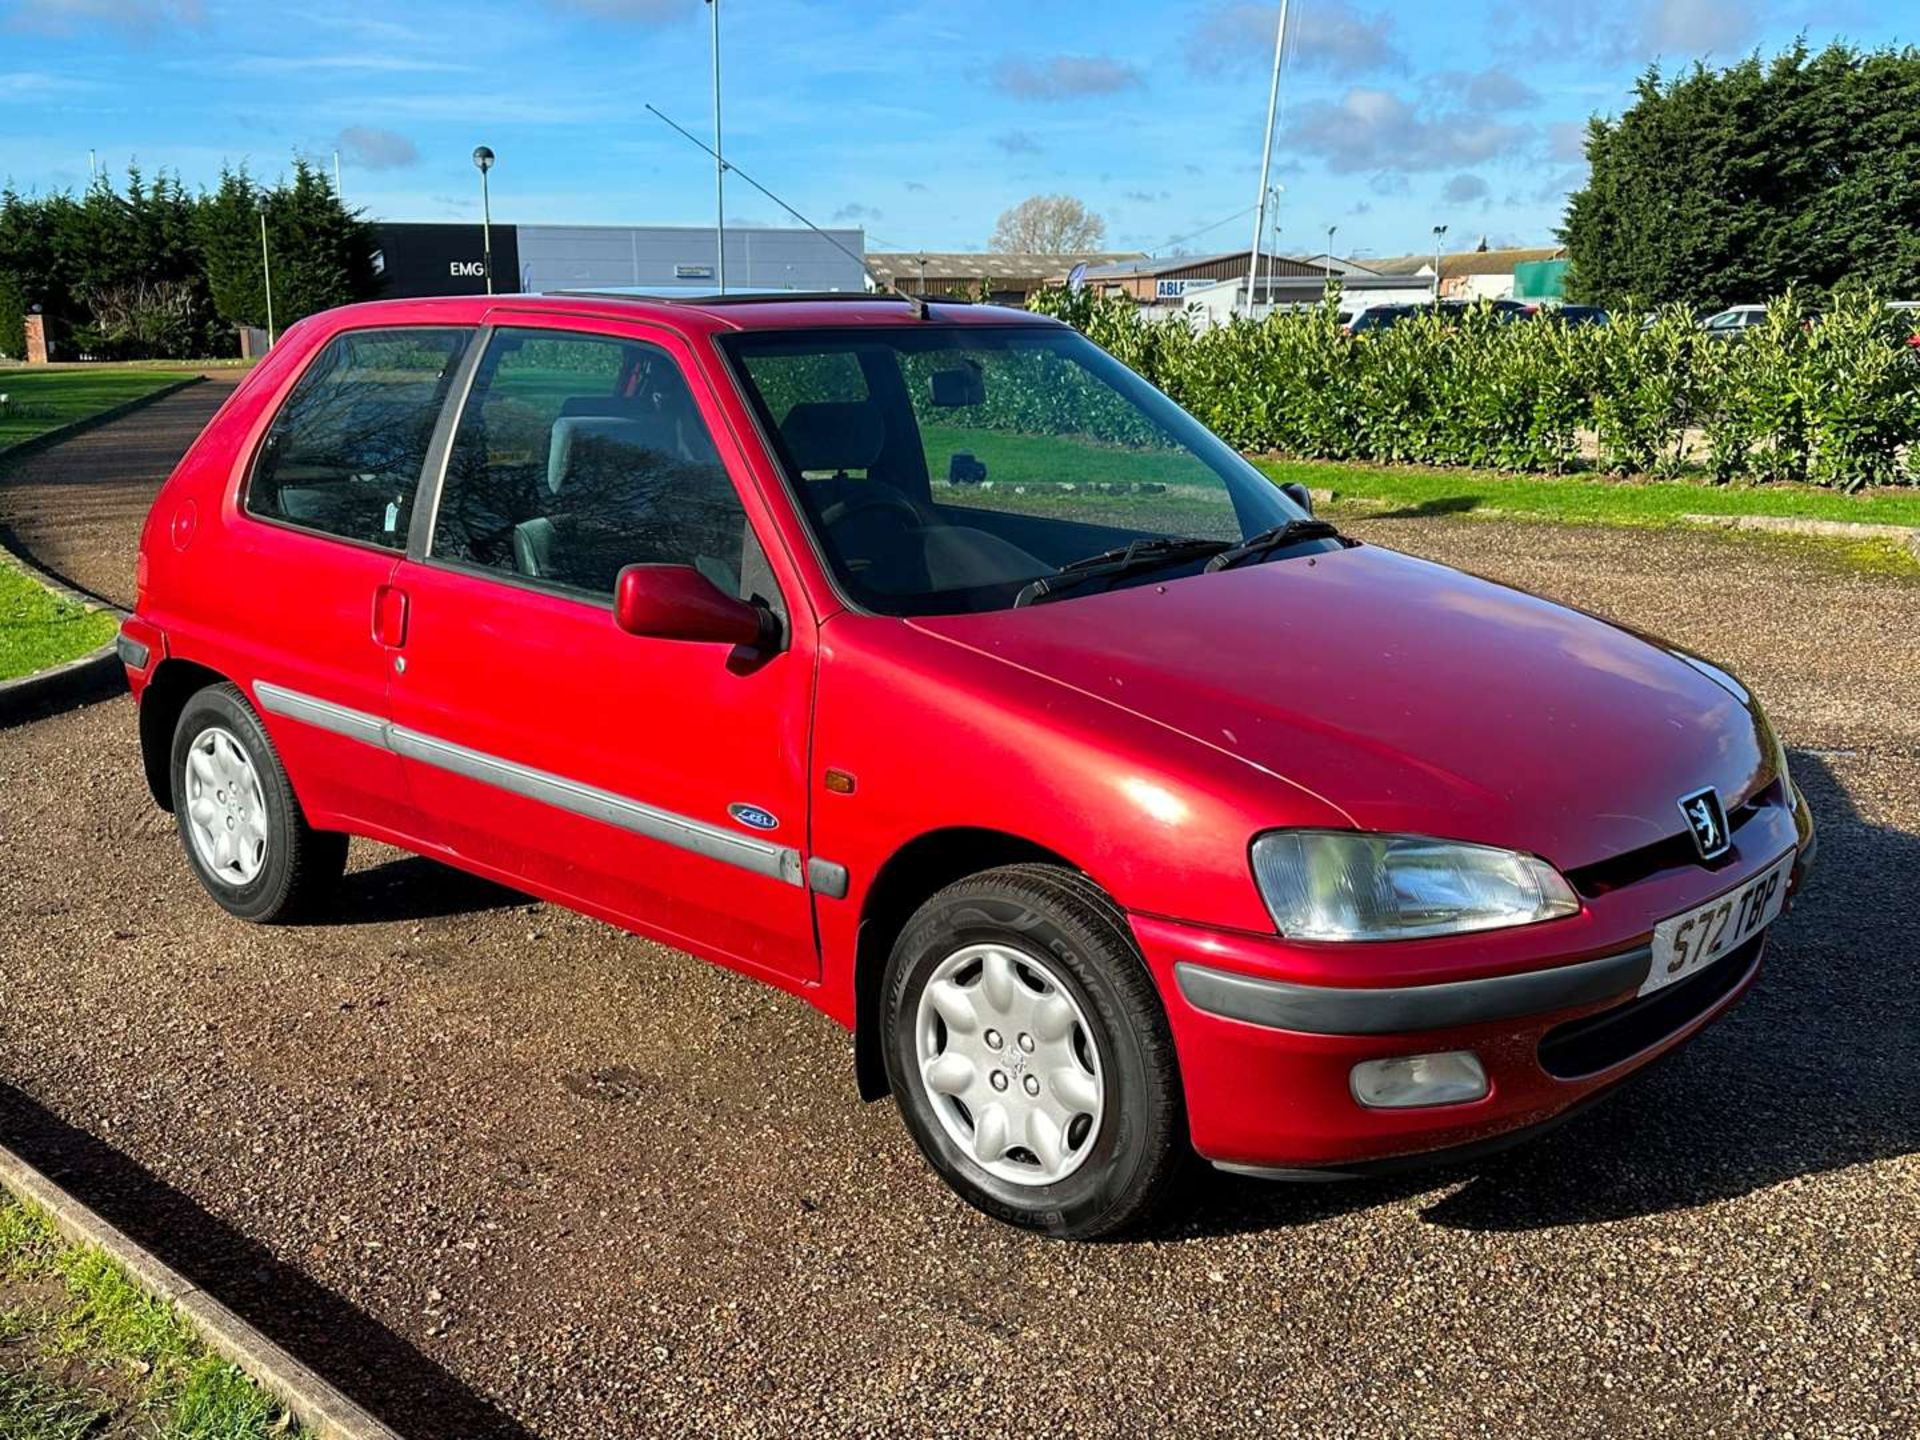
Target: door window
<point>344,454</point>
<point>578,455</point>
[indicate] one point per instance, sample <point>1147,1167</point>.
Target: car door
<point>324,513</point>
<point>659,783</point>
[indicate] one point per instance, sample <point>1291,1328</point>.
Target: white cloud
<point>1567,142</point>
<point>1633,32</point>
<point>1329,35</point>
<point>375,149</point>
<point>373,62</point>
<point>69,17</point>
<point>1064,77</point>
<point>643,12</point>
<point>1692,27</point>
<point>1368,129</point>
<point>1494,90</point>
<point>35,84</point>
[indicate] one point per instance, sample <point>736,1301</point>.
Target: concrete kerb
<point>92,676</point>
<point>317,1405</point>
<point>1908,535</point>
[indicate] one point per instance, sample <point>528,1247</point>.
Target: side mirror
<point>677,602</point>
<point>1298,494</point>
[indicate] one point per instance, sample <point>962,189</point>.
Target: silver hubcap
<point>226,811</point>
<point>1009,1064</point>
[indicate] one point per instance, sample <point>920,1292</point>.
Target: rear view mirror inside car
<point>962,386</point>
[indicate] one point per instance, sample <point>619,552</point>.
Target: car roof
<point>693,315</point>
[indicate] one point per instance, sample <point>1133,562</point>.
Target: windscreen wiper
<point>1148,553</point>
<point>1272,538</point>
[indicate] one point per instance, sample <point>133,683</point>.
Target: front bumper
<point>1268,1031</point>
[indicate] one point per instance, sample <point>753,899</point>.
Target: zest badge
<point>753,817</point>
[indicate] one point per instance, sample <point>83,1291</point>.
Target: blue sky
<point>919,120</point>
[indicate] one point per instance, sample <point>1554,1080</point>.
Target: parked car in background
<point>1374,318</point>
<point>924,661</point>
<point>1575,314</point>
<point>1734,321</point>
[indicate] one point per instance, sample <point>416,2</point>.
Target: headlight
<point>1348,885</point>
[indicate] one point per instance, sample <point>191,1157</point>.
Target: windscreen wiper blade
<point>1271,539</point>
<point>1150,553</point>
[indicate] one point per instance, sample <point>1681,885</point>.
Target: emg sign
<point>467,269</point>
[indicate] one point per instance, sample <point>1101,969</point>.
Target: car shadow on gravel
<point>412,887</point>
<point>364,1359</point>
<point>1428,509</point>
<point>1811,1073</point>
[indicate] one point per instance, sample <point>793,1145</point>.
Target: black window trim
<point>426,505</point>
<point>244,492</point>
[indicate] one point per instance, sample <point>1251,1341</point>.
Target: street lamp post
<point>483,162</point>
<point>1439,234</point>
<point>266,270</point>
<point>1330,230</point>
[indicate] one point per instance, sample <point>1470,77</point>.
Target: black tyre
<point>244,833</point>
<point>1030,1056</point>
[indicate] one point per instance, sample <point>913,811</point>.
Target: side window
<point>578,455</point>
<point>344,454</point>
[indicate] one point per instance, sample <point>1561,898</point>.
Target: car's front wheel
<point>1030,1056</point>
<point>244,832</point>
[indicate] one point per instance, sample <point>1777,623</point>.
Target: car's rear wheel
<point>1030,1056</point>
<point>244,832</point>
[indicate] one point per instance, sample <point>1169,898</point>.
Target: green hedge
<point>1828,399</point>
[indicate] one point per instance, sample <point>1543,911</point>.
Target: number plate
<point>1691,942</point>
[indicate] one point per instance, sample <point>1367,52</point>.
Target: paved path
<point>497,1169</point>
<point>77,508</point>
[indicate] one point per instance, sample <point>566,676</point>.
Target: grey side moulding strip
<point>761,857</point>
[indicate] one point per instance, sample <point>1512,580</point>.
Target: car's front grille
<point>1599,1042</point>
<point>1677,850</point>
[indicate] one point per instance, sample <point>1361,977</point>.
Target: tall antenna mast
<point>918,302</point>
<point>1266,155</point>
<point>719,166</point>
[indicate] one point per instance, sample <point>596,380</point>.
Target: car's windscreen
<point>946,468</point>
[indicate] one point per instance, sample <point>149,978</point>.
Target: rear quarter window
<point>344,454</point>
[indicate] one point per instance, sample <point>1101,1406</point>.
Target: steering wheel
<point>872,497</point>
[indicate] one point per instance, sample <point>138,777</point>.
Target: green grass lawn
<point>84,1352</point>
<point>1013,458</point>
<point>1583,500</point>
<point>37,400</point>
<point>38,629</point>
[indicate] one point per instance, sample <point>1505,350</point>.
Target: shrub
<point>1832,398</point>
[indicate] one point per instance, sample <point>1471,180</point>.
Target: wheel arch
<point>912,875</point>
<point>173,683</point>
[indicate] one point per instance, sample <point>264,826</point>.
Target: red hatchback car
<point>926,662</point>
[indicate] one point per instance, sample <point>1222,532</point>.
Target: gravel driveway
<point>500,1170</point>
